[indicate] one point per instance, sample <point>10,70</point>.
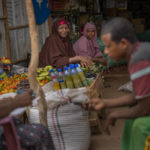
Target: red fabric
<point>139,66</point>
<point>141,85</point>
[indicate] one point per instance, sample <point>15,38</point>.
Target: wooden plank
<point>19,27</point>
<point>49,24</point>
<point>19,61</point>
<point>6,29</point>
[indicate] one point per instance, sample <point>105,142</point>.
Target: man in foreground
<point>121,42</point>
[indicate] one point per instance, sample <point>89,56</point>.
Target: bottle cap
<point>59,69</point>
<point>71,65</point>
<point>65,68</point>
<point>51,70</point>
<point>54,69</point>
<point>76,65</point>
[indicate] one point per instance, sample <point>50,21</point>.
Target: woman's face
<point>63,30</point>
<point>90,33</point>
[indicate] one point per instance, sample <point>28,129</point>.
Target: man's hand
<point>111,120</point>
<point>105,62</point>
<point>96,104</point>
<point>24,99</point>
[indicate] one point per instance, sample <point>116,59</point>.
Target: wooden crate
<point>95,90</point>
<point>57,5</point>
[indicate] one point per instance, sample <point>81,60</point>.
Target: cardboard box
<point>110,3</point>
<point>138,21</point>
<point>125,14</point>
<point>58,5</point>
<point>84,19</point>
<point>111,12</point>
<point>139,28</point>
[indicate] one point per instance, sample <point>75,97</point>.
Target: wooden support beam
<point>19,27</point>
<point>19,61</point>
<point>6,29</point>
<point>49,24</point>
<point>2,17</point>
<point>32,70</point>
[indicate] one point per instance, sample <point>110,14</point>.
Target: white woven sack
<point>68,125</point>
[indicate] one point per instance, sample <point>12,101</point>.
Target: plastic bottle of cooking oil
<point>55,83</point>
<point>51,73</point>
<point>70,67</point>
<point>55,72</point>
<point>81,75</point>
<point>68,79</point>
<point>60,79</point>
<point>76,80</point>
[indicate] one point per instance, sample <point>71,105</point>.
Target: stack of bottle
<point>72,77</point>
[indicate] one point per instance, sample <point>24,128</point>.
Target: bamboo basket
<point>95,90</point>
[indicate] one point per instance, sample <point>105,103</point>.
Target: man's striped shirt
<point>139,69</point>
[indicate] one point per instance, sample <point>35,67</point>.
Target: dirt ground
<point>102,141</point>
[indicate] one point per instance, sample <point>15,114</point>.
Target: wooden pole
<point>49,24</point>
<point>32,70</point>
<point>6,29</point>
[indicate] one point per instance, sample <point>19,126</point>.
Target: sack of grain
<point>67,122</point>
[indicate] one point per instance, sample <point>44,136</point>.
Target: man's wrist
<point>15,102</point>
<point>105,103</point>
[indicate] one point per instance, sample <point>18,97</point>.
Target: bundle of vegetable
<point>43,75</point>
<point>96,68</point>
<point>9,84</point>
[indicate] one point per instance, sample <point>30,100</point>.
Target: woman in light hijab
<point>88,46</point>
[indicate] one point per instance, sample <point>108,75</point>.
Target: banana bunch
<point>43,75</point>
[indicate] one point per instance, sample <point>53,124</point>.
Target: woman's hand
<point>101,60</point>
<point>85,62</point>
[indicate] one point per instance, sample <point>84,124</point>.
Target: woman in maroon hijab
<point>58,49</point>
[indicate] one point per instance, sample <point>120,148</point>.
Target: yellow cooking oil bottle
<point>81,75</point>
<point>68,79</point>
<point>55,83</point>
<point>76,80</point>
<point>60,79</point>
